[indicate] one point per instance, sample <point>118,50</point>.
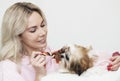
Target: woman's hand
<point>115,64</point>
<point>38,62</point>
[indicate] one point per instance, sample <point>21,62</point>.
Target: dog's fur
<point>75,58</point>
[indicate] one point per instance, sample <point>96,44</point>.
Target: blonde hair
<point>14,23</point>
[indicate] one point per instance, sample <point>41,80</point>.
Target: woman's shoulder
<point>7,62</point>
<point>7,65</point>
<point>10,71</point>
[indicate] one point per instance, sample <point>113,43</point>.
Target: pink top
<point>9,70</point>
<point>102,59</point>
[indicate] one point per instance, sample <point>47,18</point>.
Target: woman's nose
<point>42,31</point>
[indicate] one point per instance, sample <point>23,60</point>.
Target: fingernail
<point>110,65</point>
<point>108,68</point>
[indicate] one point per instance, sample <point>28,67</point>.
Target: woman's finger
<point>115,62</point>
<point>115,67</point>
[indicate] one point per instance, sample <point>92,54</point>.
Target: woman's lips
<point>42,41</point>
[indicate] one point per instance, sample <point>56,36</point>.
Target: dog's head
<point>75,58</point>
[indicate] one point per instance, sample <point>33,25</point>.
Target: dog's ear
<point>65,49</point>
<point>89,48</point>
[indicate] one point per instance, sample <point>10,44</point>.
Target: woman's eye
<point>32,30</point>
<point>42,25</point>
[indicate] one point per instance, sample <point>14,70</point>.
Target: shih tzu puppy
<point>74,58</point>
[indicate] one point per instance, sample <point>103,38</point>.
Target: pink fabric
<point>51,65</point>
<point>27,71</point>
<point>102,58</point>
<point>10,71</point>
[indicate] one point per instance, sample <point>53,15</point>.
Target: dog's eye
<point>62,56</point>
<point>67,57</point>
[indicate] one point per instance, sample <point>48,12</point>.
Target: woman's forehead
<point>35,19</point>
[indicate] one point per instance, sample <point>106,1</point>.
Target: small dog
<point>74,58</point>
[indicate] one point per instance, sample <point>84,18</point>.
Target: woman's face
<point>34,37</point>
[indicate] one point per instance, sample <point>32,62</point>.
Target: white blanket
<point>93,74</point>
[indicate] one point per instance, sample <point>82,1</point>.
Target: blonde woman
<point>24,38</point>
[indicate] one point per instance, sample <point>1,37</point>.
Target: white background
<point>84,22</point>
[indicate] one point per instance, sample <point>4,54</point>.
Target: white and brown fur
<point>74,58</point>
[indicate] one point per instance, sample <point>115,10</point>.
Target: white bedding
<point>90,75</point>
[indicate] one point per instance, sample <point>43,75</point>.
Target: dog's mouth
<point>63,53</point>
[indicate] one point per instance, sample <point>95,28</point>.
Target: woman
<point>24,38</point>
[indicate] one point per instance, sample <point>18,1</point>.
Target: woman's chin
<point>43,46</point>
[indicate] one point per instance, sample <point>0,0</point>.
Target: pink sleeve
<point>101,57</point>
<point>51,65</point>
<point>9,71</point>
